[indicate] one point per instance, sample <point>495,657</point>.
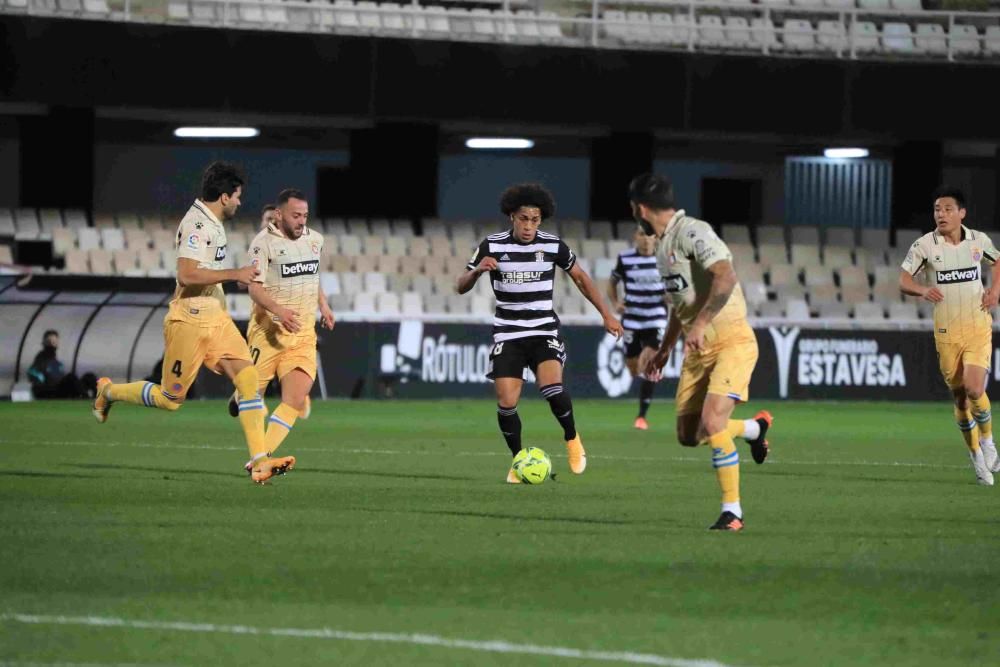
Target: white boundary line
<point>400,452</point>
<point>492,646</point>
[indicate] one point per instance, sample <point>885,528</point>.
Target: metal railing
<point>849,33</point>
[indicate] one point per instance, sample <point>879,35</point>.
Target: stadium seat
<point>445,284</point>
<point>616,26</point>
<point>776,3</point>
<point>763,34</point>
<point>991,41</point>
<point>339,303</point>
<point>603,268</point>
<point>365,263</point>
<point>26,222</point>
<point>373,245</point>
<point>833,311</point>
<point>837,257</point>
<point>782,275</point>
<point>88,238</point>
<point>853,276</point>
<point>592,248</point>
<point>839,4</point>
<point>460,20</point>
<point>76,262</point>
<point>62,240</point>
<point>875,238</point>
<point>482,306</point>
<point>898,38</point>
<point>149,259</point>
<point>907,5</point>
<point>204,12</point>
<point>873,5</point>
<point>458,304</point>
<point>177,10</point>
<point>816,276</point>
<point>736,234</point>
<point>350,245</point>
<point>549,26</point>
<point>831,35</point>
<point>100,262</point>
<point>823,294</point>
<point>771,234</point>
<point>869,259</point>
<point>804,234</point>
<point>275,16</point>
<point>364,304</point>
<point>798,35</point>
<point>387,264</point>
<point>422,284</point>
<point>483,23</point>
<point>964,40</point>
<point>854,294</point>
<point>75,219</point>
<point>49,219</point>
<point>137,238</point>
<point>395,245</point>
<point>602,229</point>
<point>102,220</point>
<point>906,236</point>
<point>345,17</point>
<point>125,260</point>
<point>387,303</point>
<point>867,310</point>
<point>903,311</point>
<point>411,304</point>
<point>754,291</point>
<point>616,246</point>
<point>865,36</point>
<point>839,236</point>
<point>6,255</point>
<point>661,29</point>
<point>400,282</point>
<point>434,304</point>
<point>418,246</point>
<point>250,13</point>
<point>7,227</point>
<point>302,19</point>
<point>711,31</point>
<point>803,255</point>
<point>749,272</point>
<point>771,309</point>
<point>769,254</point>
<point>797,310</point>
<point>70,6</point>
<point>335,226</point>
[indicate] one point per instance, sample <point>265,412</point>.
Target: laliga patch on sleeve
<point>193,241</point>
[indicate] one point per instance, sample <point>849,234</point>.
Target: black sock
<point>645,396</point>
<point>562,408</point>
<point>510,426</point>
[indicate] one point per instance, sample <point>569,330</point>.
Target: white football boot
<point>983,474</point>
<point>990,457</point>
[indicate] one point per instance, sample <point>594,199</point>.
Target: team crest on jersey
<point>977,254</point>
<point>315,247</point>
<point>193,241</point>
<point>540,256</point>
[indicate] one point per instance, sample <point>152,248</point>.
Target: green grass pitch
<point>867,541</point>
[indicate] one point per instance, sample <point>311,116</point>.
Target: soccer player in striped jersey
<point>951,257</point>
<point>643,309</point>
<point>521,263</point>
<point>720,348</point>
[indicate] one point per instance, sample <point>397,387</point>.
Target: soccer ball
<point>532,465</point>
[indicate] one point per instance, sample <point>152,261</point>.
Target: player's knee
<point>632,363</point>
<point>961,401</point>
<point>973,393</point>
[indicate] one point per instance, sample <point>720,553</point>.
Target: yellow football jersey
<point>201,237</point>
<point>289,271</point>
<point>683,254</point>
<point>956,271</point>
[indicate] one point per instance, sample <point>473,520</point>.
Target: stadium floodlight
<point>507,143</point>
<point>841,153</point>
<point>216,132</point>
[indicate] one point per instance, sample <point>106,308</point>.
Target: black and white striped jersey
<point>644,290</point>
<point>523,282</point>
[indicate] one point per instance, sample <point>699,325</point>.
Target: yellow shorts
<point>723,370</point>
<point>954,357</point>
<point>277,356</point>
<point>188,347</point>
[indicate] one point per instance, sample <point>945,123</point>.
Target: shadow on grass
<point>373,473</point>
<point>162,471</point>
<point>31,473</point>
<point>516,517</point>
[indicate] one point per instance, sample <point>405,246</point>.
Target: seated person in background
<point>49,378</point>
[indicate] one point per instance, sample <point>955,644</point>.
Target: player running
<point>951,258</point>
<point>720,348</point>
<point>521,263</point>
<point>286,294</point>
<point>197,329</point>
<point>643,309</point>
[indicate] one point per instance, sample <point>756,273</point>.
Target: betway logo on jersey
<point>958,276</point>
<point>519,277</point>
<point>834,362</point>
<point>674,283</point>
<point>293,269</point>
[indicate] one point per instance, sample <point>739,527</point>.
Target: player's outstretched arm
<point>467,280</point>
<point>909,286</point>
<point>287,317</point>
<point>589,290</point>
<point>189,274</point>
